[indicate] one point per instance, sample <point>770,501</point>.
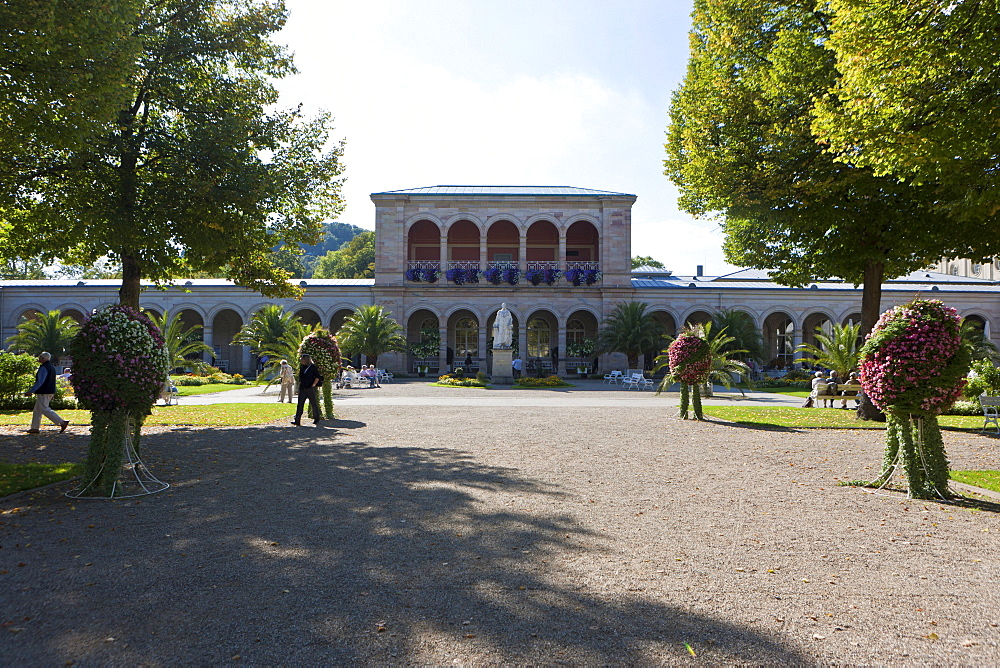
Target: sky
<point>539,92</point>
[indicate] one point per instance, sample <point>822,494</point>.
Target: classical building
<point>447,257</point>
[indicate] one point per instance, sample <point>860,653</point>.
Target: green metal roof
<point>523,191</point>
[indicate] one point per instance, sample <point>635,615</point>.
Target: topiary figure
<point>913,367</point>
<point>690,360</point>
<point>322,347</point>
<point>119,367</point>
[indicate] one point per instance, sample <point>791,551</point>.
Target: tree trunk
<point>128,294</point>
<point>871,309</point>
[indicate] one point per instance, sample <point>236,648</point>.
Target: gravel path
<point>409,534</point>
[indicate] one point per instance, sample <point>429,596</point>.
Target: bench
<point>849,390</point>
<point>823,392</point>
<point>991,412</point>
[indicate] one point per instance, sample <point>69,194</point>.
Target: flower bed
<point>548,381</point>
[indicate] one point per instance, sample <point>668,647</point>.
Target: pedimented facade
<point>559,257</point>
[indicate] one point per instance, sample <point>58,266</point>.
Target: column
<point>796,342</point>
<point>483,252</point>
<point>207,336</point>
<point>444,255</point>
<point>443,348</point>
<point>522,262</point>
<point>561,338</point>
<point>561,258</point>
<point>483,353</point>
<point>246,362</point>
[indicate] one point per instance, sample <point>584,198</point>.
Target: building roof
<point>177,283</point>
<point>507,191</point>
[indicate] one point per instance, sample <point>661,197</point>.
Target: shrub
<point>17,375</point>
<point>548,381</point>
<point>985,380</point>
<point>965,408</point>
<point>797,374</point>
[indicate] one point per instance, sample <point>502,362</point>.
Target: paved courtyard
<point>437,525</point>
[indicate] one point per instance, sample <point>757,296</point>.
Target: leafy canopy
<point>838,351</point>
<point>632,330</point>
<point>46,332</point>
<point>916,97</point>
<point>355,259</point>
<point>370,331</point>
<point>194,168</point>
<point>741,147</point>
<point>178,341</point>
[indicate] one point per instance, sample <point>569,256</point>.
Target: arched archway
<point>779,331</point>
<point>338,319</point>
<point>541,340</point>
<point>463,242</point>
<point>463,340</point>
<point>228,357</point>
<point>424,336</point>
<point>75,314</point>
<point>423,242</point>
<point>308,317</point>
<point>542,245</point>
<point>503,244</point>
<point>698,318</point>
<point>668,326</point>
<point>810,325</point>
<point>583,243</point>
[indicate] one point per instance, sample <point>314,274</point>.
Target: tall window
<point>466,338</point>
<point>575,331</point>
<point>783,339</point>
<point>539,338</point>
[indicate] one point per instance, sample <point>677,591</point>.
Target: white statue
<point>503,328</point>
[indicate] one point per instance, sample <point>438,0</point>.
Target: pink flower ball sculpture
<point>690,364</point>
<point>913,367</point>
<point>913,361</point>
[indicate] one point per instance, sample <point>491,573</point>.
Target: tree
<point>63,67</point>
<point>355,259</point>
<point>370,332</point>
<point>727,368</point>
<point>274,332</point>
<point>630,330</point>
<point>16,269</point>
<point>47,332</point>
<point>178,341</point>
<point>746,342</point>
<point>740,145</point>
<point>974,337</point>
<point>195,170</point>
<point>838,351</point>
<point>646,261</point>
<point>918,83</point>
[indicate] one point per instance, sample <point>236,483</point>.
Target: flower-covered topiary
<point>322,347</point>
<point>690,360</point>
<point>913,367</point>
<point>119,367</point>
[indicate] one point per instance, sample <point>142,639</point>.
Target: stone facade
<point>527,229</point>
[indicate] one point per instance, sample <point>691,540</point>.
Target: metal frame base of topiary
<point>916,439</point>
<point>133,479</point>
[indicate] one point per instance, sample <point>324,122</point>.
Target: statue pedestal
<point>502,372</point>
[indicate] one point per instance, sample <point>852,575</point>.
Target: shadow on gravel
<point>299,546</point>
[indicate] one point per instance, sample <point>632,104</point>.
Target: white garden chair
<point>614,377</point>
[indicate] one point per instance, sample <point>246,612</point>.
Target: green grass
<point>985,479</point>
<point>19,477</point>
<point>787,391</point>
<point>219,415</point>
<point>189,390</point>
<point>792,417</point>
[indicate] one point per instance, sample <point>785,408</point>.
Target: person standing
<point>309,382</point>
<point>44,389</point>
<point>516,366</point>
<point>286,375</point>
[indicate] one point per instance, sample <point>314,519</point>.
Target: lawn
<point>190,390</point>
<point>18,477</point>
<point>218,415</point>
<point>792,417</point>
<point>985,479</point>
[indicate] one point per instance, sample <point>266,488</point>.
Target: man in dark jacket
<point>309,381</point>
<point>44,389</point>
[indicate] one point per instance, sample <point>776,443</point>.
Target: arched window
<point>466,338</point>
<point>575,331</point>
<point>428,323</point>
<point>539,338</point>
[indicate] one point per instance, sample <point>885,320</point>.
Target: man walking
<point>309,381</point>
<point>44,389</point>
<point>287,377</point>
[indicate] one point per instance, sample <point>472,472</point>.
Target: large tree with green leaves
<point>917,96</point>
<point>741,147</point>
<point>355,259</point>
<point>63,70</point>
<point>371,331</point>
<point>195,168</point>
